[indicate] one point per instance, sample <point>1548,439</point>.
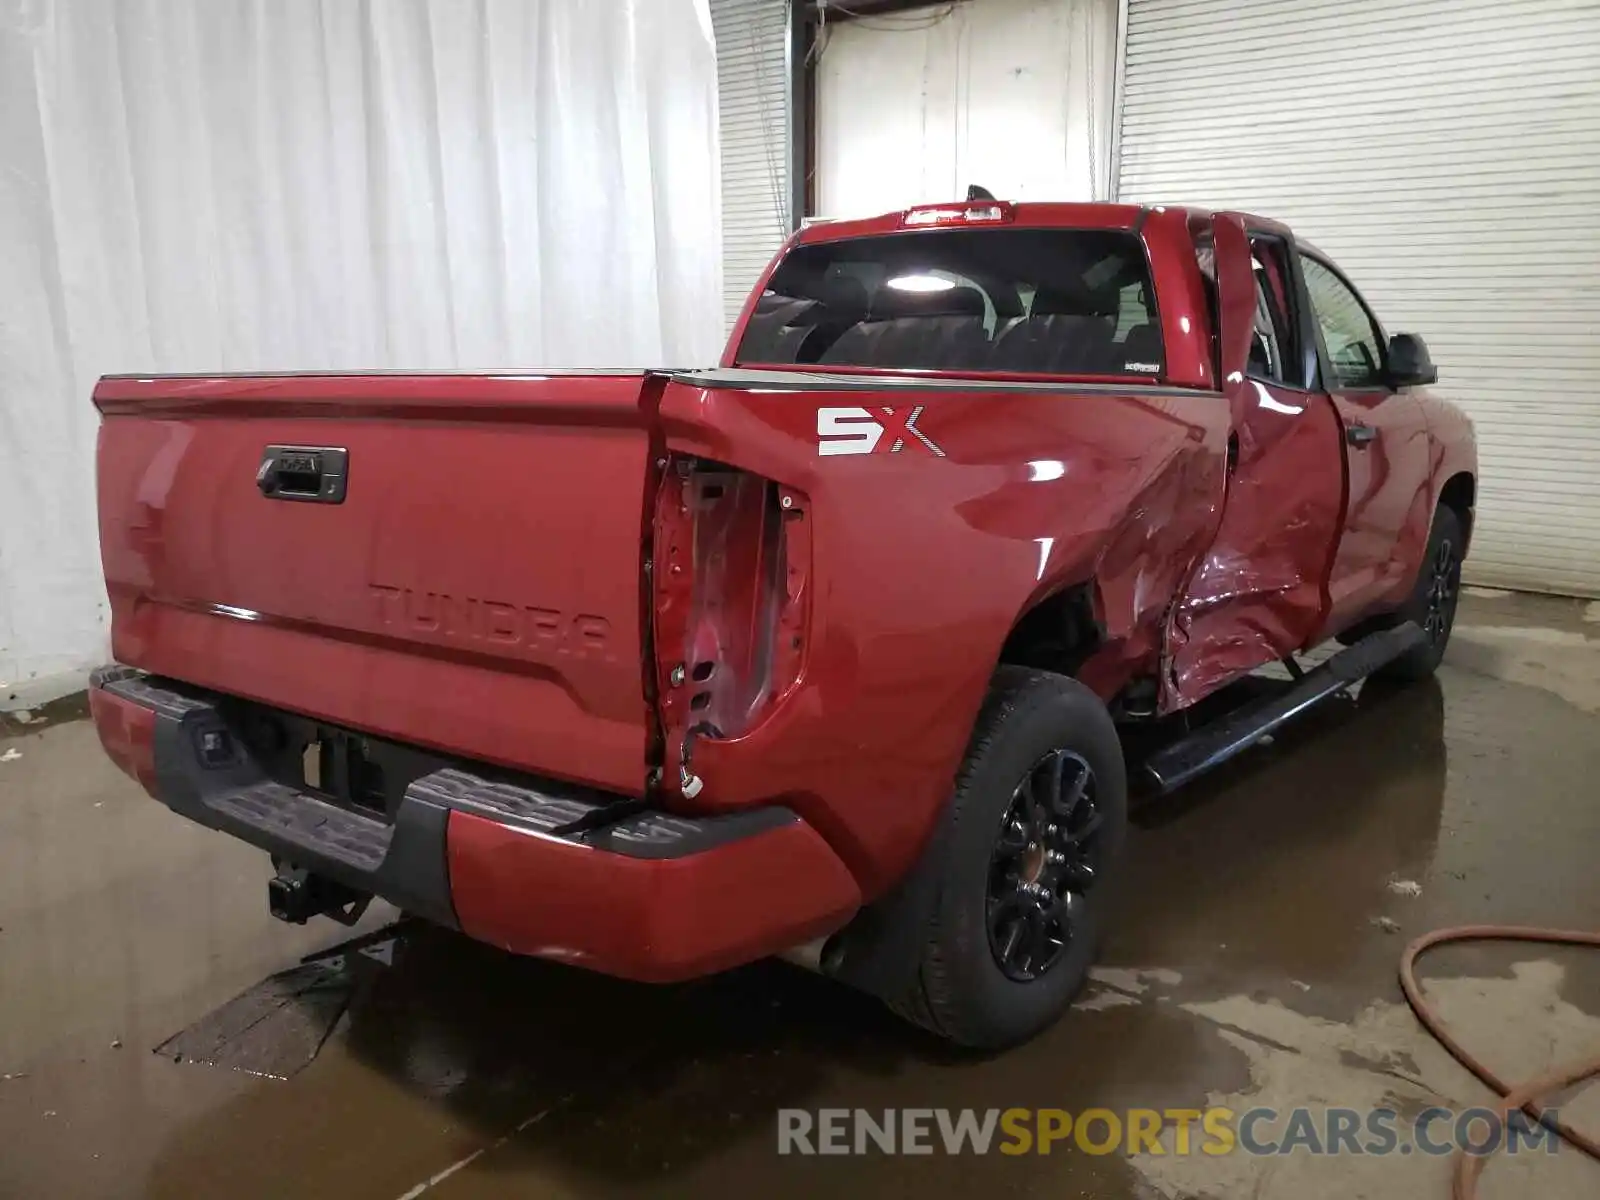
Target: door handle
<point>314,473</point>
<point>1360,435</point>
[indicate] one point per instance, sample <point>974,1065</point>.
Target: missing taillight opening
<point>729,598</point>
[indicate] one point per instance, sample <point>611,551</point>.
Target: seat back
<point>1063,333</point>
<point>776,328</point>
<point>917,330</point>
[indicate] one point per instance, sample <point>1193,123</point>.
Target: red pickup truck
<point>829,647</point>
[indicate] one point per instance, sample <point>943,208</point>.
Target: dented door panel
<point>1260,591</point>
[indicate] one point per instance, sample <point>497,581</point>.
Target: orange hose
<point>1522,1096</point>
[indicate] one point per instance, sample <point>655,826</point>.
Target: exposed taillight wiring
<point>729,604</point>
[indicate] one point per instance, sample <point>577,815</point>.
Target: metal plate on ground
<point>277,1027</point>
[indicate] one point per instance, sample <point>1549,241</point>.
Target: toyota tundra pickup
<point>828,651</point>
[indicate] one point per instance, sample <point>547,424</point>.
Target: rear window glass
<point>1048,301</point>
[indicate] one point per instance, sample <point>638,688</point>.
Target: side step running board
<point>1211,745</point>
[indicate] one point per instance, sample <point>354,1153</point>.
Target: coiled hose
<point>1523,1096</point>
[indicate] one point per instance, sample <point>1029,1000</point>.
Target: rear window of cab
<point>1035,301</point>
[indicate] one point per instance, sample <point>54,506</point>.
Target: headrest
<point>891,303</point>
<point>843,295</point>
<point>771,301</point>
<point>786,309</point>
<point>1059,302</point>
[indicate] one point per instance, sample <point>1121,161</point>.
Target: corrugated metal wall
<point>1447,154</point>
<point>753,88</point>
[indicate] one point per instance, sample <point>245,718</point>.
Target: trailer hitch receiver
<point>295,895</point>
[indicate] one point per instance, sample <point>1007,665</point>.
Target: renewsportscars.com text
<point>1171,1131</point>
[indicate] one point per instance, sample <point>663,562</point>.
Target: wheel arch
<point>1460,494</point>
<point>1057,632</point>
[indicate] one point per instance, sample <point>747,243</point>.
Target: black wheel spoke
<point>1441,595</point>
<point>1040,865</point>
<point>1006,899</point>
<point>1056,774</point>
<point>1079,876</point>
<point>1085,831</point>
<point>1040,923</point>
<point>1075,794</point>
<point>1013,937</point>
<point>1033,809</point>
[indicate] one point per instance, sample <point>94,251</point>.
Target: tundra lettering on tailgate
<point>496,622</point>
<point>861,431</point>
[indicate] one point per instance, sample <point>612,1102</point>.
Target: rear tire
<point>1034,831</point>
<point>1433,600</point>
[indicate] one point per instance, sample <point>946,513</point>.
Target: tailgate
<point>451,561</point>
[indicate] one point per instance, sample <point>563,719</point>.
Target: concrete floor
<point>1249,966</point>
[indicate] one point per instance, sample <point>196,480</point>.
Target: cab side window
<point>1355,348</point>
<point>1275,353</point>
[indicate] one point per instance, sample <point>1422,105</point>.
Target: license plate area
<point>343,767</point>
<point>352,770</point>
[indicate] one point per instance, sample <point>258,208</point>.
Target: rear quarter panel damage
<point>921,564</point>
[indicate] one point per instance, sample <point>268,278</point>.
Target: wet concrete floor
<point>1252,964</point>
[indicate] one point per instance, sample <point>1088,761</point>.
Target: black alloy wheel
<point>1434,597</point>
<point>1007,908</point>
<point>1444,580</point>
<point>1044,865</point>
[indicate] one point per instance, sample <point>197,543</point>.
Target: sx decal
<point>862,431</point>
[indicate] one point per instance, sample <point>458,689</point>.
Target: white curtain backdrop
<point>190,185</point>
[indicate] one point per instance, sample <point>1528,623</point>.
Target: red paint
<point>851,635</point>
<point>654,920</point>
<point>456,599</point>
<point>922,566</point>
<point>1390,503</point>
<point>1452,452</point>
<point>927,566</point>
<point>127,731</point>
<point>1260,591</point>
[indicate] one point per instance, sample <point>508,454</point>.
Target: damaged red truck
<point>827,650</point>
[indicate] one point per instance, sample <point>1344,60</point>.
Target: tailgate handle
<point>311,473</point>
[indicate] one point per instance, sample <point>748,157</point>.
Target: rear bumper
<point>537,868</point>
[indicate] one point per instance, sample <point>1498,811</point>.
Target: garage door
<point>1014,95</point>
<point>753,106</point>
<point>1447,154</point>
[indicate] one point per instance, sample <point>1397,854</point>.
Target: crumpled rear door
<point>1260,592</point>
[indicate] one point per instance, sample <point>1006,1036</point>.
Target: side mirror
<point>1409,363</point>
